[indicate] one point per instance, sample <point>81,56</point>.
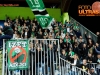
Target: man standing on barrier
<point>8,33</point>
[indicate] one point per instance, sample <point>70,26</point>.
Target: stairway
<point>83,29</point>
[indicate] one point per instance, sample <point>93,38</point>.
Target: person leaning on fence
<point>64,55</point>
<point>75,63</point>
<point>84,66</point>
<point>8,33</point>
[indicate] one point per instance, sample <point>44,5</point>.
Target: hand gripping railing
<point>68,69</point>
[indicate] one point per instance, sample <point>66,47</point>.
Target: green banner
<point>17,54</point>
<point>45,21</point>
<point>39,10</point>
<point>36,4</point>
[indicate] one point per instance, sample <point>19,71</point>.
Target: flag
<point>40,12</point>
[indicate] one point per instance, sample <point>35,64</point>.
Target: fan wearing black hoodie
<point>8,33</point>
<point>97,48</point>
<point>98,37</point>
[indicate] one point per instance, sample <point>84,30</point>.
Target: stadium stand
<point>82,54</point>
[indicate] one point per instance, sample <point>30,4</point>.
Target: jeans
<point>4,37</point>
<point>98,71</point>
<point>73,73</point>
<point>40,69</point>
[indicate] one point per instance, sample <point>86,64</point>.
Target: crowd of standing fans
<point>73,47</point>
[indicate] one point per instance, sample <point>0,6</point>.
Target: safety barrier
<point>68,69</point>
<point>43,58</point>
<point>84,29</point>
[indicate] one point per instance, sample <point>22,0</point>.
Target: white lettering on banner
<point>36,3</point>
<point>17,65</point>
<point>43,20</point>
<point>31,2</point>
<point>14,44</point>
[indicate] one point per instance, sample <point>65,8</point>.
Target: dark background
<point>90,22</point>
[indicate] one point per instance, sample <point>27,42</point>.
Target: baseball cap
<point>92,68</point>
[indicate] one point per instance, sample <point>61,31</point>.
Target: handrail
<point>75,66</point>
<point>92,63</point>
<point>84,27</point>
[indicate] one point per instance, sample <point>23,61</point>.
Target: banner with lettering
<point>36,4</point>
<point>39,10</point>
<point>17,54</point>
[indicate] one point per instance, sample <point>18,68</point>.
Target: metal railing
<point>68,69</point>
<point>84,29</point>
<point>43,55</point>
<point>44,59</point>
<point>94,65</point>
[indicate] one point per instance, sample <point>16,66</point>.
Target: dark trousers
<point>98,71</point>
<point>4,37</point>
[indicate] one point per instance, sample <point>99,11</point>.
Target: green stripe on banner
<point>39,10</point>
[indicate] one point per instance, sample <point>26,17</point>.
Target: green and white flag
<point>35,4</point>
<point>40,13</point>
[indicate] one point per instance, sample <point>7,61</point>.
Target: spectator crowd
<point>73,47</point>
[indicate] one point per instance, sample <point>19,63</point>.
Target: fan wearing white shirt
<point>26,33</point>
<point>75,62</point>
<point>15,34</point>
<point>62,34</point>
